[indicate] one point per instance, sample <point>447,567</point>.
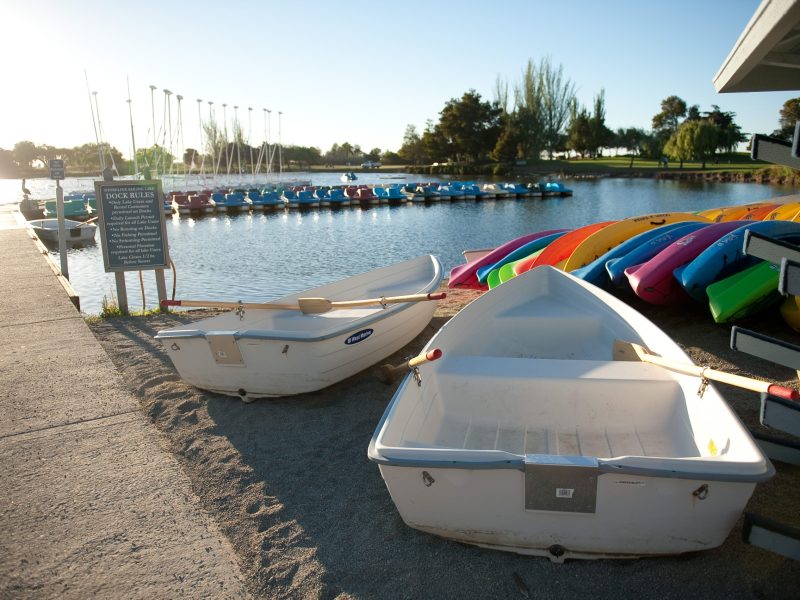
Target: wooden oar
<point>306,305</point>
<point>321,305</point>
<point>631,351</point>
<point>87,221</point>
<point>215,304</point>
<point>389,373</point>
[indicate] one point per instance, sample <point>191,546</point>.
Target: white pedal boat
<point>527,436</point>
<point>271,352</point>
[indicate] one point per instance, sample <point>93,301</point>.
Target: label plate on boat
<point>224,349</point>
<point>561,488</point>
<point>359,336</point>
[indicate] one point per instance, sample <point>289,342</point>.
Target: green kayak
<point>506,272</point>
<point>744,293</point>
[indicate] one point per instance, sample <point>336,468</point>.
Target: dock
<point>92,504</point>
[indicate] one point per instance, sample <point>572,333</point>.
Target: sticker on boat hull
<point>359,336</point>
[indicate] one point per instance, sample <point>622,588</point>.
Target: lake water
<point>257,257</point>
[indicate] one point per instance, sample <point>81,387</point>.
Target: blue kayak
<point>647,250</point>
<point>521,252</point>
<point>725,257</point>
<point>595,272</point>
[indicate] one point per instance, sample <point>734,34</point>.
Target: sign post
<point>133,231</point>
<point>57,172</point>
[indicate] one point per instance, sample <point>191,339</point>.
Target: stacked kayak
<point>465,276</point>
<point>726,257</point>
<point>664,258</point>
<point>654,282</point>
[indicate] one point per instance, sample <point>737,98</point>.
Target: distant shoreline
<point>559,169</point>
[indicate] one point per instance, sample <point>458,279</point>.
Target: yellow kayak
<point>784,212</point>
<point>729,213</point>
<point>613,235</point>
<point>790,311</point>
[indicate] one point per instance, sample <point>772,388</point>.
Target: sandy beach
<point>308,515</point>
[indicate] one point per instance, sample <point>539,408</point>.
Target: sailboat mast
<point>280,149</point>
<point>155,142</point>
<point>237,132</point>
<point>200,142</point>
<point>94,121</point>
<point>133,138</point>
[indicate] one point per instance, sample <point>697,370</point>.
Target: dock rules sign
<point>132,225</point>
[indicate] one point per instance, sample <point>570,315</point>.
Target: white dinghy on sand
<point>306,341</point>
<point>528,436</point>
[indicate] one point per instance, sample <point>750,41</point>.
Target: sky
<point>346,71</point>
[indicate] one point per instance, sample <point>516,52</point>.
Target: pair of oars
<point>630,351</point>
<point>309,306</point>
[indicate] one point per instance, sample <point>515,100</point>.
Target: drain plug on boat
<point>557,550</point>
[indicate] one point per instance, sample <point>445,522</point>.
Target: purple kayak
<point>653,280</point>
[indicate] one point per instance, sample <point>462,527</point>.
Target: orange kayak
<point>560,250</point>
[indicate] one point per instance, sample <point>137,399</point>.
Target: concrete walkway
<point>91,504</point>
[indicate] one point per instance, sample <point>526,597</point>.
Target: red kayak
<point>653,280</point>
<point>465,276</point>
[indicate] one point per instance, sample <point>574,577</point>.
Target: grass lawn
<point>727,162</point>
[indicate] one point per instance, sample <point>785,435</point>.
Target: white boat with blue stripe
<point>285,350</point>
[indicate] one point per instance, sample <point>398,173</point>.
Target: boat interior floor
<point>592,408</point>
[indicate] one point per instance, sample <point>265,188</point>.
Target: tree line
<point>541,117</point>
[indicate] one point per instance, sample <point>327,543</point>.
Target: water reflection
<point>260,256</point>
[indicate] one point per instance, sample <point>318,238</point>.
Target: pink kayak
<point>465,276</point>
<point>653,280</point>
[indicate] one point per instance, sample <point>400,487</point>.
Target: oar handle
<point>215,304</point>
<point>428,356</point>
<point>748,383</point>
<point>389,372</point>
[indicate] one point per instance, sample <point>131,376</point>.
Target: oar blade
<point>629,351</point>
<point>314,306</point>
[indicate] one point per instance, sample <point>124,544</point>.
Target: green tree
<point>729,134</point>
<point>347,151</point>
<point>302,156</point>
<point>154,159</point>
<point>391,158</point>
<point>25,153</point>
<point>665,123</point>
<point>470,126</point>
<point>508,144</point>
<point>580,133</point>
<point>789,115</point>
<point>411,150</point>
<point>557,94</point>
<point>528,113</point>
<point>7,166</point>
<point>435,145</point>
<point>601,136</point>
<point>633,140</point>
<point>694,140</point>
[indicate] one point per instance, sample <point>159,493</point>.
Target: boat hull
<point>283,352</point>
<point>528,436</point>
<point>77,233</point>
<point>674,521</point>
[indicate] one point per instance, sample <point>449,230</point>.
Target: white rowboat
<point>528,436</point>
<point>77,233</point>
<point>255,353</point>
